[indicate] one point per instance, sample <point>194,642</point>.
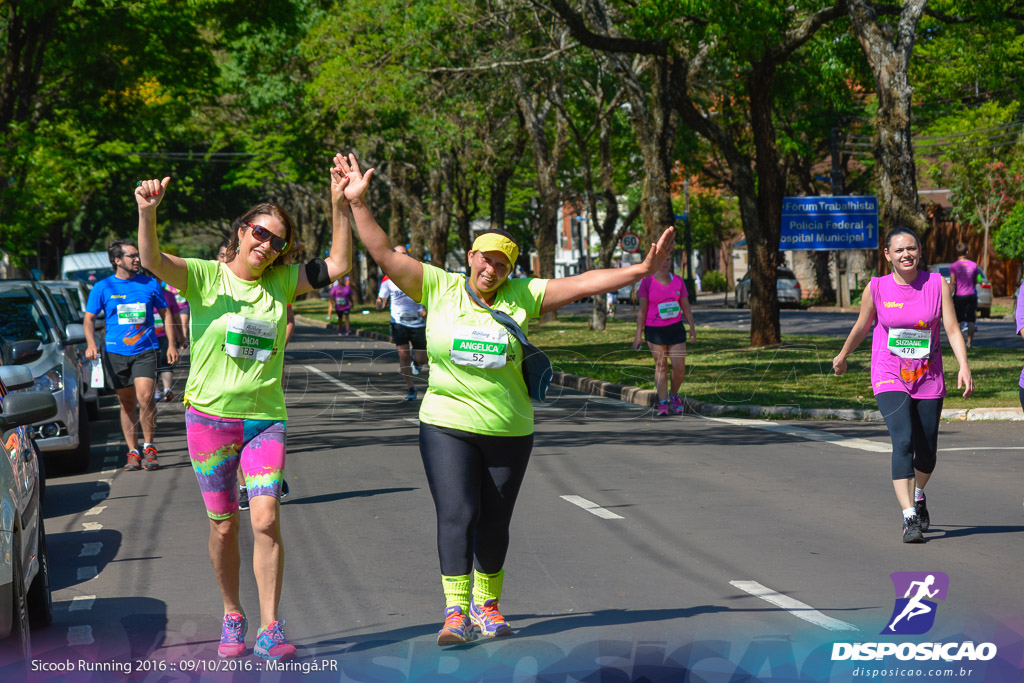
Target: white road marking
<point>92,526</point>
<point>412,420</point>
<point>591,507</point>
<point>108,482</point>
<point>81,603</point>
<point>986,448</point>
<point>798,609</point>
<point>99,496</point>
<point>109,471</point>
<point>805,433</point>
<point>80,635</point>
<point>86,573</point>
<point>90,549</point>
<point>348,387</point>
<point>96,510</point>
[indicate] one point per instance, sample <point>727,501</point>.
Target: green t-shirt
<point>238,335</point>
<point>468,390</point>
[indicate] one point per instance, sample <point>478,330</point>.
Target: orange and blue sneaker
<point>150,462</point>
<point>457,628</point>
<point>488,619</point>
<point>271,643</point>
<point>134,461</point>
<point>232,635</point>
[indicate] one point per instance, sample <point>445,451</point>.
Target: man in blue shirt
<point>127,300</point>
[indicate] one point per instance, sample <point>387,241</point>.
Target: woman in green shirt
<point>476,419</point>
<point>235,409</point>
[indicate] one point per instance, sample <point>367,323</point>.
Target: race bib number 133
<point>249,338</point>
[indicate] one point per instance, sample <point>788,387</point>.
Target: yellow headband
<point>493,242</point>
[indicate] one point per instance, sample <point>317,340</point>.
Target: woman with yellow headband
<point>476,420</point>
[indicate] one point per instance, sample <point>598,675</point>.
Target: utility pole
<point>836,180</point>
<point>690,289</point>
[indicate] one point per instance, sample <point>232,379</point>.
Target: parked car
<point>24,565</point>
<point>30,329</point>
<point>89,267</point>
<point>68,298</point>
<point>786,284</point>
<point>71,295</point>
<point>983,288</point>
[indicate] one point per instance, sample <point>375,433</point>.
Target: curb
<point>648,398</point>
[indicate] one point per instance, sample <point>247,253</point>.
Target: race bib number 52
<point>249,338</point>
<point>479,347</point>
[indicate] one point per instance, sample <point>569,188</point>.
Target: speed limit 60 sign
<point>630,242</point>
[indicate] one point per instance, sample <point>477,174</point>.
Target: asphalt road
<point>648,574</point>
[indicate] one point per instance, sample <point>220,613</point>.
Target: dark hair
<point>223,244</point>
<point>265,209</point>
<point>115,250</point>
<point>901,231</point>
<point>961,249</point>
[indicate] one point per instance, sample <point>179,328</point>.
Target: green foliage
<point>1009,239</point>
<point>713,281</point>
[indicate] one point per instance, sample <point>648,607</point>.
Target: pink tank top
<point>905,351</point>
<point>966,272</point>
<point>663,308</point>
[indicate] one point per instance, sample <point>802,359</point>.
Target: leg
<point>421,358</point>
<point>677,355</point>
<point>144,387</point>
<point>925,421</point>
<point>262,459</point>
<point>895,408</point>
<point>129,425</point>
<point>405,364</point>
<point>226,560</point>
<point>505,460</point>
<point>660,354</point>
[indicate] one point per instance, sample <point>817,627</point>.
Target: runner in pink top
<point>963,273</point>
<point>906,367</point>
<point>664,302</point>
<point>1020,330</point>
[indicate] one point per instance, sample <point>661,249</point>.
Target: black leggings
<point>1020,395</point>
<point>474,480</point>
<point>914,429</point>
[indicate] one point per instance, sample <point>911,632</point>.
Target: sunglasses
<point>278,244</point>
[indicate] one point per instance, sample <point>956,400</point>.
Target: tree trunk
<point>440,210</point>
<point>396,224</point>
<point>823,277</point>
<point>888,56</point>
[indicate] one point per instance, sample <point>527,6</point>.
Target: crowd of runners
<point>467,331</point>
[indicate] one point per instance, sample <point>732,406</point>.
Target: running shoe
<point>150,462</point>
<point>168,396</point>
<point>271,643</point>
<point>134,461</point>
<point>921,508</point>
<point>457,627</point>
<point>243,498</point>
<point>912,530</point>
<point>662,408</point>
<point>284,488</point>
<point>676,404</point>
<point>488,619</point>
<point>158,395</point>
<point>415,368</point>
<point>232,635</point>
<point>411,396</point>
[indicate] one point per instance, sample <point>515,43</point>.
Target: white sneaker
<point>415,369</point>
<point>158,395</point>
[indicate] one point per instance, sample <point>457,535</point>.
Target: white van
<point>90,267</point>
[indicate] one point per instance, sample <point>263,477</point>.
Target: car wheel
<point>20,634</point>
<point>80,456</point>
<point>985,312</point>
<point>40,600</point>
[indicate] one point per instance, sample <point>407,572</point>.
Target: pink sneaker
<point>662,408</point>
<point>677,404</point>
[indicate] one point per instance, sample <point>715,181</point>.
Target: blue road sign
<point>828,223</point>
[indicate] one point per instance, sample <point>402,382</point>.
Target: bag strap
<point>500,317</point>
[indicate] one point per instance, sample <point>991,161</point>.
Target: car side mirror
<point>16,377</point>
<point>27,407</point>
<point>26,351</point>
<point>74,334</point>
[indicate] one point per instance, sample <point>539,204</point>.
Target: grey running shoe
<point>243,498</point>
<point>912,530</point>
<point>922,513</point>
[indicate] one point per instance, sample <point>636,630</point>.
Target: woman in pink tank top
<point>906,367</point>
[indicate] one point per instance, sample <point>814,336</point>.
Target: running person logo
<point>914,612</point>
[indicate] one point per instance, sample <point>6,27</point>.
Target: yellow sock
<point>456,591</point>
<point>487,586</point>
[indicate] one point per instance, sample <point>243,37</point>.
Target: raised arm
<point>562,291</point>
<point>168,268</point>
<point>406,271</point>
<point>859,331</point>
<point>339,260</point>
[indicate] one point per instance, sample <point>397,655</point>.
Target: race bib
<point>341,301</point>
<point>668,310</point>
<point>249,338</point>
<point>131,314</point>
<point>479,347</point>
<point>909,343</point>
<point>408,318</point>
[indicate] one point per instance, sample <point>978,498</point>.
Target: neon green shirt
<point>238,333</point>
<point>467,390</point>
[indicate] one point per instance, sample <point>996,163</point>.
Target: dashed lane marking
<point>87,573</point>
<point>800,610</point>
<point>808,434</point>
<point>80,635</point>
<point>81,603</point>
<point>90,549</point>
<point>591,507</point>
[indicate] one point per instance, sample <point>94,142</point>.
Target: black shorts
<point>402,335</point>
<point>121,371</point>
<point>669,335</point>
<point>966,308</point>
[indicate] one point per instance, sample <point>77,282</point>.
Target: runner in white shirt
<point>408,329</point>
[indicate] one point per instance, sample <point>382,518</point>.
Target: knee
<point>264,516</point>
<point>224,530</point>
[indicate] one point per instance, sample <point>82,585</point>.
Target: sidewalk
<point>648,397</point>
